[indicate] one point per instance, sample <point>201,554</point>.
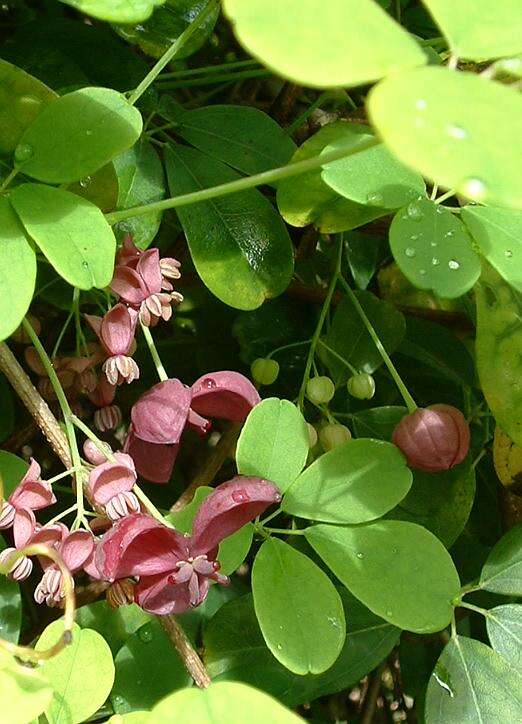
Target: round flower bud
<point>332,436</point>
<point>320,390</point>
<point>361,386</point>
<point>434,438</point>
<point>265,371</point>
<point>312,435</point>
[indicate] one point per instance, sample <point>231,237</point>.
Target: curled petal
<point>229,508</point>
<point>160,415</point>
<point>117,330</point>
<point>153,462</point>
<point>129,286</point>
<point>148,267</point>
<point>32,493</point>
<point>156,594</point>
<point>226,395</point>
<point>76,548</point>
<point>24,526</point>
<point>111,478</point>
<point>128,254</point>
<point>93,454</point>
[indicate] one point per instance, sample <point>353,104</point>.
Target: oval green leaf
<point>24,692</point>
<point>354,483</point>
<point>378,422</point>
<point>433,249</point>
<point>472,684</point>
<point>498,232</point>
<point>299,611</point>
<point>242,136</point>
<point>447,125</point>
<point>239,244</point>
<point>401,571</point>
<point>116,11</point>
<point>17,270</point>
<point>101,189</point>
<point>12,470</point>
<point>504,625</point>
<point>77,134</point>
<point>478,29</point>
<point>502,572</point>
<point>81,675</point>
<point>291,42</point>
<point>71,232</point>
<point>274,442</point>
<point>115,625</point>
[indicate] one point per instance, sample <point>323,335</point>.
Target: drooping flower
<point>25,532</point>
<point>32,493</point>
<point>434,438</point>
<point>111,485</point>
<point>76,550</point>
<point>174,570</point>
<point>128,255</point>
<point>116,333</point>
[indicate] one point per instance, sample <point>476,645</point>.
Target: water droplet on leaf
<point>421,104</point>
<point>508,253</point>
<point>422,272</point>
<point>456,131</point>
<point>410,253</point>
<point>359,554</point>
<point>474,188</point>
<point>145,634</point>
<point>453,264</point>
<point>435,261</point>
<point>375,199</point>
<point>451,232</point>
<point>85,182</point>
<point>29,102</point>
<point>88,132</point>
<point>415,211</point>
<point>23,152</point>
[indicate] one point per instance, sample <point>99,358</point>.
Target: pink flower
<point>32,493</point>
<point>76,550</point>
<point>140,284</point>
<point>111,485</point>
<point>434,438</point>
<point>116,333</point>
<point>26,532</point>
<point>174,570</point>
<point>128,255</point>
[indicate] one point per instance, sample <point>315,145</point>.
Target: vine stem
<point>320,323</point>
<point>162,374</point>
<point>176,46</point>
<point>266,177</point>
<point>476,609</point>
<point>408,399</point>
<point>192,661</point>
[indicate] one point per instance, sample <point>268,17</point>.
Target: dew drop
<point>359,554</point>
<point>389,613</point>
<point>375,199</point>
<point>508,253</point>
<point>453,264</point>
<point>474,188</point>
<point>145,634</point>
<point>85,182</point>
<point>240,497</point>
<point>440,209</point>
<point>422,272</point>
<point>456,131</point>
<point>449,233</point>
<point>88,132</point>
<point>421,104</point>
<point>395,550</point>
<point>435,261</point>
<point>410,252</point>
<point>118,701</point>
<point>414,237</point>
<point>414,211</point>
<point>29,102</point>
<point>23,152</point>
<point>209,383</point>
<point>279,647</point>
<point>433,243</point>
<point>85,264</point>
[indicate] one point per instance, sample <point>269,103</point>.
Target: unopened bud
<point>265,371</point>
<point>320,390</point>
<point>312,435</point>
<point>93,454</point>
<point>361,386</point>
<point>334,435</point>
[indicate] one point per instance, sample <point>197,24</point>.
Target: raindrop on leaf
<point>23,152</point>
<point>453,264</point>
<point>410,253</point>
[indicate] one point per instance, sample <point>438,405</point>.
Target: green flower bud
<point>320,390</point>
<point>361,386</point>
<point>332,436</point>
<point>265,371</point>
<point>312,435</point>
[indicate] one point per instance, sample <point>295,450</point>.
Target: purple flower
<point>116,333</point>
<point>174,570</point>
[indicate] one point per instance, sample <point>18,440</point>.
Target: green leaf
<point>239,244</point>
<point>440,502</point>
<point>101,189</point>
<point>478,29</point>
<point>141,181</point>
<point>363,252</point>
<point>299,611</point>
<point>498,233</point>
<point>81,675</point>
<point>23,691</point>
<point>22,98</point>
<point>372,177</point>
<point>306,199</point>
<point>166,25</point>
<point>236,651</point>
<point>12,470</point>
<point>401,571</point>
<point>71,232</point>
<point>242,136</point>
<point>348,337</point>
<point>17,271</point>
<point>504,624</point>
<point>10,606</point>
<point>471,683</point>
<point>7,410</point>
<point>115,625</point>
<point>116,11</point>
<point>446,125</point>
<point>502,572</point>
<point>498,344</point>
<point>291,43</point>
<point>148,667</point>
<point>379,422</point>
<point>274,442</point>
<point>77,134</point>
<point>354,483</point>
<point>433,249</point>
<point>224,702</point>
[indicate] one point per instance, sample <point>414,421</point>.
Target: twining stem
<point>162,374</point>
<point>320,323</point>
<point>408,399</point>
<point>210,69</point>
<point>10,176</point>
<point>231,187</point>
<point>176,46</point>
<point>69,427</point>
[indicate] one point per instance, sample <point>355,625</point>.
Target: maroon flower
<point>175,570</point>
<point>26,532</point>
<point>116,333</point>
<point>76,550</point>
<point>434,438</point>
<point>111,485</point>
<point>128,255</point>
<point>32,493</point>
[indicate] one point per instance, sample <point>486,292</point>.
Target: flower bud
<point>265,371</point>
<point>93,454</point>
<point>333,435</point>
<point>320,390</point>
<point>434,438</point>
<point>361,386</point>
<point>312,435</point>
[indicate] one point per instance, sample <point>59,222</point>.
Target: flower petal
<point>24,525</point>
<point>229,508</point>
<point>160,415</point>
<point>153,462</point>
<point>76,549</point>
<point>32,493</point>
<point>148,267</point>
<point>109,479</point>
<point>156,595</point>
<point>227,395</point>
<point>128,285</point>
<point>117,330</point>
